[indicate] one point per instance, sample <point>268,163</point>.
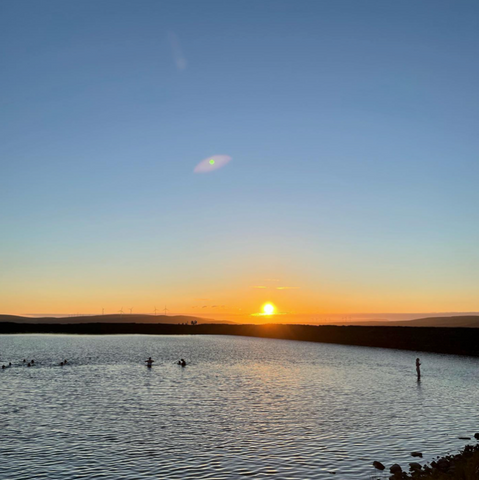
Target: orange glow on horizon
<point>295,298</point>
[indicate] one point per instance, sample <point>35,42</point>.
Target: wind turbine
<point>155,310</point>
<point>120,311</point>
<point>165,310</point>
<point>131,310</point>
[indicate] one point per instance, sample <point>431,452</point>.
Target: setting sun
<point>268,309</point>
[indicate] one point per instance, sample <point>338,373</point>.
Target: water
<point>242,408</point>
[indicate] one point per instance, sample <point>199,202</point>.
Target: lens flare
<point>212,163</point>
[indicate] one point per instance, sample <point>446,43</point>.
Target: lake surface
<point>242,408</point>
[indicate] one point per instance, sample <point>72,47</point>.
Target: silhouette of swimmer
<point>182,363</point>
<point>29,365</point>
<point>32,362</point>
<point>24,361</point>
<point>149,362</point>
<point>3,366</point>
<point>418,369</point>
<point>61,364</point>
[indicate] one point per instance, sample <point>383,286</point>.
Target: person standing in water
<point>149,362</point>
<point>418,369</point>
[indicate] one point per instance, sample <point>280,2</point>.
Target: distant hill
<point>469,321</point>
<point>125,318</point>
<point>456,321</point>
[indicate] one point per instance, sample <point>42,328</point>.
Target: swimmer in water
<point>182,363</point>
<point>149,362</point>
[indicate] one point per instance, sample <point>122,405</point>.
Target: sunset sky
<point>352,128</point>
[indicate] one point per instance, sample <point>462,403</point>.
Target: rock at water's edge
<point>443,464</point>
<point>395,468</point>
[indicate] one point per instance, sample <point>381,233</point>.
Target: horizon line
<point>237,314</point>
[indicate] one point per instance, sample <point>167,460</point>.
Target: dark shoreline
<point>461,466</point>
<point>455,341</point>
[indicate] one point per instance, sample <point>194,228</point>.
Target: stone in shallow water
<point>415,466</point>
<point>416,454</point>
<point>378,465</point>
<point>395,468</point>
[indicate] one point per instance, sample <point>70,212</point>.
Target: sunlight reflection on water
<point>243,407</point>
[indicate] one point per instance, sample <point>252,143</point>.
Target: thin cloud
<point>258,286</point>
<point>179,58</point>
<point>262,314</point>
<point>287,288</point>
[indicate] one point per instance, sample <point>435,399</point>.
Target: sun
<point>268,309</point>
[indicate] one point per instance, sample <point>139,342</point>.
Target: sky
<point>352,132</point>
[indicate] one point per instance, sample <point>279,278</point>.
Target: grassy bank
<point>459,341</point>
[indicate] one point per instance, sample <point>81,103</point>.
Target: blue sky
<point>353,132</point>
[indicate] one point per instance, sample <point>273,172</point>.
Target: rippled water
<point>243,407</point>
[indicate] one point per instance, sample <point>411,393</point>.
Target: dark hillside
<point>460,341</point>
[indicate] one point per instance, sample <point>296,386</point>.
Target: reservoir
<point>242,408</point>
